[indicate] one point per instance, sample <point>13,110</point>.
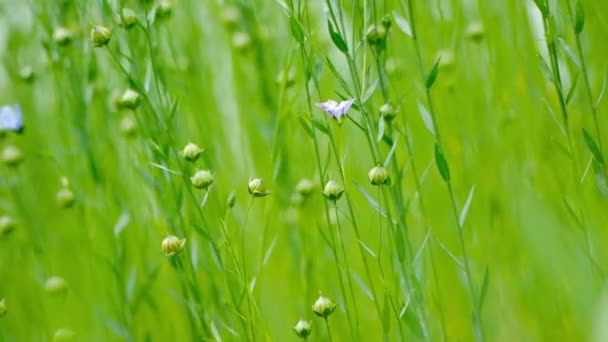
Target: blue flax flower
<point>336,110</point>
<point>11,119</point>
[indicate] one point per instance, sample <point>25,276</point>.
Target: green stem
<point>244,267</point>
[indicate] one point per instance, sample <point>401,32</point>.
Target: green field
<point>176,178</point>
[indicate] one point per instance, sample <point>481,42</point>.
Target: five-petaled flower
<point>336,110</point>
<point>11,119</point>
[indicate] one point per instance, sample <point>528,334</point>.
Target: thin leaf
<point>592,145</point>
<point>121,224</point>
<point>572,212</point>
<point>602,92</point>
<point>458,262</point>
<point>370,91</point>
<point>414,324</point>
<point>320,126</point>
<point>362,285</point>
<point>542,7</point>
<point>579,21</point>
<point>166,169</point>
<point>386,316</point>
<point>422,246</point>
<point>484,288</point>
<point>405,307</point>
<point>337,38</point>
<point>467,205</point>
<point>334,71</point>
<point>296,29</point>
<point>432,76</point>
<point>371,200</point>
<point>426,118</point>
<point>573,57</point>
<point>269,251</point>
<point>572,89</point>
<point>442,164</point>
<point>380,129</point>
<point>369,250</point>
<point>390,154</point>
<point>403,24</point>
<point>306,127</point>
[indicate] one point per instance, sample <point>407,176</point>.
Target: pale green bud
<point>55,285</point>
<point>63,335</point>
<point>172,245</point>
<point>305,187</point>
<point>231,200</point>
<point>100,36</point>
<point>257,188</point>
<point>303,328</point>
<point>191,152</point>
<point>241,40</point>
<point>7,225</point>
<point>323,307</point>
<point>27,74</point>
<point>65,197</point>
<point>231,15</point>
<point>375,34</point>
<point>12,156</point>
<point>164,9</point>
<point>62,36</point>
<point>446,58</point>
<point>130,99</point>
<point>333,191</point>
<point>128,125</point>
<point>388,112</point>
<point>202,179</point>
<point>3,308</point>
<point>475,31</point>
<point>128,18</point>
<point>378,176</point>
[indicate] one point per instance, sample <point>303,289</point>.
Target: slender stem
<point>244,267</point>
<point>328,330</point>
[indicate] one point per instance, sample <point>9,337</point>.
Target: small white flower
<point>11,118</point>
<point>335,109</point>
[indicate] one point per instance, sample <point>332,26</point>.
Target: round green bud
<point>172,245</point>
<point>475,31</point>
<point>130,99</point>
<point>231,15</point>
<point>12,156</point>
<point>3,308</point>
<point>100,36</point>
<point>257,188</point>
<point>7,225</point>
<point>62,36</point>
<point>164,9</point>
<point>333,190</point>
<point>388,112</point>
<point>191,152</point>
<point>375,34</point>
<point>241,40</point>
<point>128,18</point>
<point>202,179</point>
<point>55,285</point>
<point>65,197</point>
<point>323,307</point>
<point>63,335</point>
<point>378,176</point>
<point>26,74</point>
<point>128,125</point>
<point>302,328</point>
<point>305,187</point>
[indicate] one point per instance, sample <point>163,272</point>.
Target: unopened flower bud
<point>305,187</point>
<point>55,285</point>
<point>63,335</point>
<point>333,191</point>
<point>100,36</point>
<point>257,188</point>
<point>375,34</point>
<point>202,179</point>
<point>164,9</point>
<point>378,176</point>
<point>231,200</point>
<point>241,40</point>
<point>130,99</point>
<point>388,112</point>
<point>3,308</point>
<point>62,36</point>
<point>231,15</point>
<point>12,156</point>
<point>65,197</point>
<point>191,152</point>
<point>172,245</point>
<point>475,31</point>
<point>128,18</point>
<point>323,307</point>
<point>302,328</point>
<point>7,225</point>
<point>26,74</point>
<point>128,125</point>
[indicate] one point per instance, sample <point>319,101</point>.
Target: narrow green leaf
<point>448,252</point>
<point>391,153</point>
<point>432,76</point>
<point>595,150</point>
<point>386,316</point>
<point>542,7</point>
<point>371,200</point>
<point>467,205</point>
<point>544,67</point>
<point>320,126</point>
<point>296,29</point>
<point>306,127</point>
<point>442,164</point>
<point>572,89</point>
<point>403,24</point>
<point>400,245</point>
<point>484,288</point>
<point>600,97</point>
<point>381,125</point>
<point>426,118</point>
<point>413,323</point>
<point>337,38</point>
<point>334,71</point>
<point>362,286</point>
<point>579,18</point>
<point>569,52</point>
<point>572,211</point>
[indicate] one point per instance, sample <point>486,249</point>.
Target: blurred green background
<point>229,77</point>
